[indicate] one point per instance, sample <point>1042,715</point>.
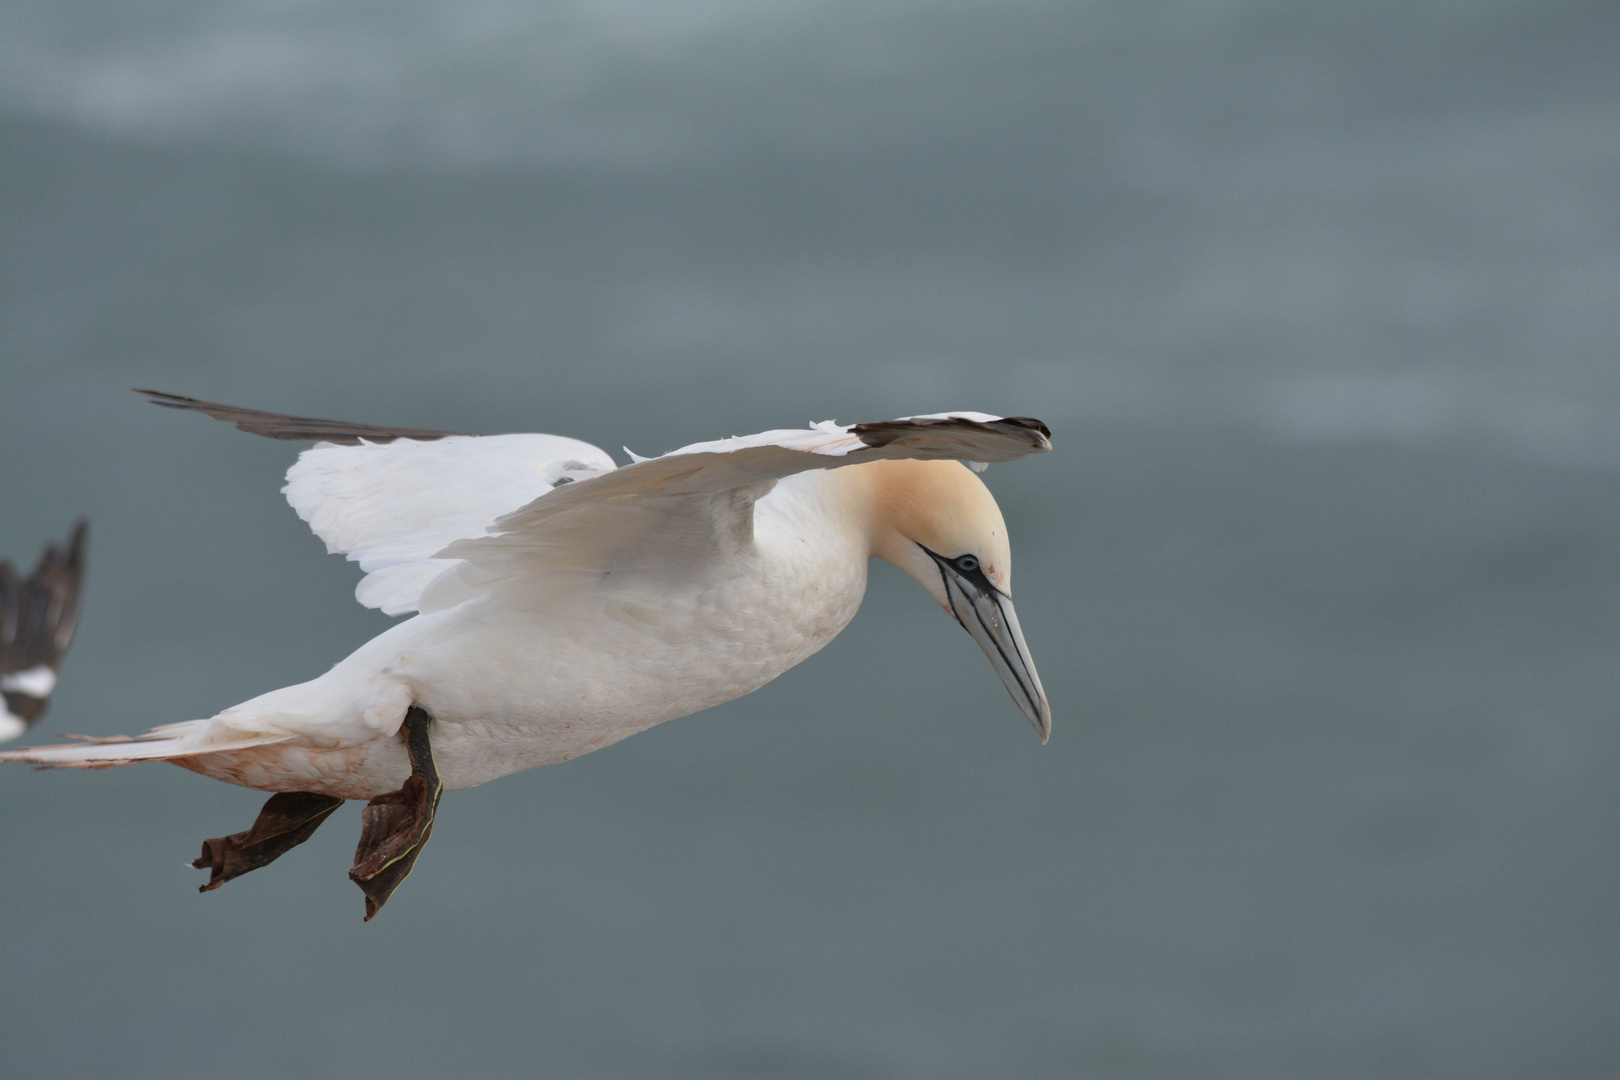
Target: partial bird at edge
<point>38,615</point>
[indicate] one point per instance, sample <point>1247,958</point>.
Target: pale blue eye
<point>967,564</point>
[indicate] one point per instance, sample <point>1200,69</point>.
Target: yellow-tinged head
<point>938,522</point>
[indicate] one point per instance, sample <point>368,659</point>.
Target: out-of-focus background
<point>1321,301</point>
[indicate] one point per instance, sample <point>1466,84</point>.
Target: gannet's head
<point>938,522</point>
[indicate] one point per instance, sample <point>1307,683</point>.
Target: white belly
<point>516,697</point>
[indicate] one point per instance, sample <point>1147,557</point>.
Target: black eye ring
<point>967,564</point>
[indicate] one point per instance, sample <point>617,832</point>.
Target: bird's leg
<point>287,820</point>
<point>394,827</point>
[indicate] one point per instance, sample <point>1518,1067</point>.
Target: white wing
<point>390,497</point>
<point>677,512</point>
<point>392,507</point>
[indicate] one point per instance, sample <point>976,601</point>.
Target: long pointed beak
<point>987,614</point>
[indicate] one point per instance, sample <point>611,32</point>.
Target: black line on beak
<point>977,579</point>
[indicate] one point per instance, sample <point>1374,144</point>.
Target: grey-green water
<point>1321,301</point>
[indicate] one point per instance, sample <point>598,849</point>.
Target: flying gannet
<point>561,604</point>
<point>38,614</point>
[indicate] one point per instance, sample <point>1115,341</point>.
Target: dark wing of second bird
<point>38,614</point>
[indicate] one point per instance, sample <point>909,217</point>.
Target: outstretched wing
<point>461,512</point>
<point>694,504</point>
<point>37,617</point>
<point>391,498</point>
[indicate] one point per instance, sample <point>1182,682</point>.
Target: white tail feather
<point>160,744</point>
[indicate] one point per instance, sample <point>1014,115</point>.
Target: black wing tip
<point>78,542</point>
<point>169,401</point>
<point>1026,428</point>
<point>273,425</point>
<point>1029,423</point>
<point>60,565</point>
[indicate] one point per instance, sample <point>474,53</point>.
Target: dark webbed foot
<point>394,827</point>
<point>287,820</point>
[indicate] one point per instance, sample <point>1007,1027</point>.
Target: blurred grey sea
<point>1320,299</point>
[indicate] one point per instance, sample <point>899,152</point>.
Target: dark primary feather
<point>294,428</point>
<point>1024,429</point>
<point>38,615</point>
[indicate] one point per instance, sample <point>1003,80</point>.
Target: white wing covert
<point>391,507</point>
<point>675,512</point>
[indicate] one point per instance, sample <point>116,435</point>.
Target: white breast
<point>510,691</point>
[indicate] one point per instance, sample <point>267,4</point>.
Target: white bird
<point>561,604</point>
<point>38,614</point>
